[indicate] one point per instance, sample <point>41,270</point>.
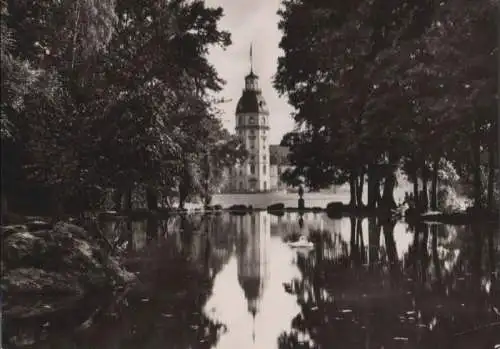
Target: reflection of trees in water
<point>370,295</point>
<point>169,311</point>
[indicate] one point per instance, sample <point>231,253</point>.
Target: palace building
<point>262,170</point>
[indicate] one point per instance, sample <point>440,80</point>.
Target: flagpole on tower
<point>251,58</point>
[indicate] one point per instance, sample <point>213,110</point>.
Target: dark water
<point>232,282</point>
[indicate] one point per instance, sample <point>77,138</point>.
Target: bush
<point>276,207</point>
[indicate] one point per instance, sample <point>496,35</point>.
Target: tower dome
<point>252,101</point>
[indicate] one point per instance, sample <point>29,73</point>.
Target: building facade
<point>279,163</point>
<point>252,126</point>
<point>261,172</point>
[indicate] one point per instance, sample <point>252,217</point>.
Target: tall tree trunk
<point>378,195</point>
<point>434,186</point>
<point>117,199</point>
<point>352,188</point>
<point>476,154</point>
<point>182,195</point>
<point>151,198</point>
<point>491,177</point>
<point>389,184</point>
<point>373,187</point>
<point>152,226</point>
<point>424,197</point>
<point>185,183</point>
<point>359,191</point>
<point>415,189</point>
<point>207,196</point>
<point>414,178</point>
<point>4,206</point>
<point>128,198</point>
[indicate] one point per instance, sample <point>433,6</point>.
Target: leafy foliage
<point>120,95</point>
<point>383,83</point>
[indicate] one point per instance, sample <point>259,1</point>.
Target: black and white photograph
<point>250,174</point>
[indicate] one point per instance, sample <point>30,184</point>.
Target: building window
<point>252,169</point>
<point>252,157</point>
<point>252,132</point>
<point>263,120</point>
<point>252,120</point>
<point>264,158</point>
<point>241,120</point>
<point>264,169</point>
<point>265,188</point>
<point>241,185</point>
<point>241,172</point>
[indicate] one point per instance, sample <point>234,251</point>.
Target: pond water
<point>227,281</point>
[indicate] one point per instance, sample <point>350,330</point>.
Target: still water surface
<point>233,282</point>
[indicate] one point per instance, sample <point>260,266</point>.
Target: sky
<point>256,22</point>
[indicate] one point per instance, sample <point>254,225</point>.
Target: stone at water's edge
<point>48,266</point>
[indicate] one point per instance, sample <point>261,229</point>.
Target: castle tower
<point>252,126</point>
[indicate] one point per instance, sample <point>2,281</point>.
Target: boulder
<point>64,260</point>
<point>39,281</point>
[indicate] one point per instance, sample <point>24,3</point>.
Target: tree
<point>129,87</point>
<point>378,77</point>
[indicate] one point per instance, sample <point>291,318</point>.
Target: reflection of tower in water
<point>254,232</point>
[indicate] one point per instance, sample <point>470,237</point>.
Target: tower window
<point>264,169</point>
<point>252,169</point>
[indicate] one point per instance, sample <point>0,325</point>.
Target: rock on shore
<point>49,269</point>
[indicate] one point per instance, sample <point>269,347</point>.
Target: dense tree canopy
<point>110,95</point>
<point>391,84</point>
